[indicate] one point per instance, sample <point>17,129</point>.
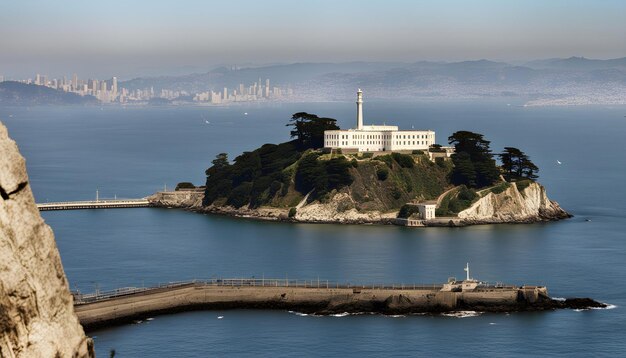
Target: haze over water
<point>133,152</point>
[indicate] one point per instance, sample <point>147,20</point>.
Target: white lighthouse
<point>359,110</point>
<point>376,138</point>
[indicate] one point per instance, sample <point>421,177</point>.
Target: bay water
<point>132,152</point>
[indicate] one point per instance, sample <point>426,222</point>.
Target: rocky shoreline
<point>325,309</point>
<point>511,206</point>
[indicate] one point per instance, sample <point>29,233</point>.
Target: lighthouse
<point>359,109</point>
<point>376,138</point>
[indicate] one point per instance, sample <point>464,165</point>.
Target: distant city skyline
<point>108,91</point>
<point>141,38</point>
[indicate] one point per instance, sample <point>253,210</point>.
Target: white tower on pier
<point>359,109</point>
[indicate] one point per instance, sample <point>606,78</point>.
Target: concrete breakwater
<point>316,297</point>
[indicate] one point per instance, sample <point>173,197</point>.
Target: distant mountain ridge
<point>579,79</point>
<point>578,63</point>
<point>22,94</point>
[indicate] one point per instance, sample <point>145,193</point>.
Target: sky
<point>128,38</point>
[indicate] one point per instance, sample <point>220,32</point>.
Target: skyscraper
<point>114,88</point>
<point>75,82</point>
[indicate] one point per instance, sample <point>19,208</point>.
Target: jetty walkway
<point>129,304</point>
<point>95,204</point>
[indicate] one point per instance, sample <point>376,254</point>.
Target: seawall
<point>318,300</point>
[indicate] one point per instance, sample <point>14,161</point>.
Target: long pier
<point>95,204</point>
<point>312,296</point>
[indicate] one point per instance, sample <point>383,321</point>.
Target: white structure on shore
<point>377,138</point>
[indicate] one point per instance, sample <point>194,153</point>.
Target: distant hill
<point>578,64</point>
<point>578,79</point>
<point>22,94</point>
<point>222,77</point>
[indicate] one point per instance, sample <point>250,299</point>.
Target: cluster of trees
<point>516,165</point>
<point>308,129</point>
<point>475,166</point>
<point>320,177</point>
<point>256,177</point>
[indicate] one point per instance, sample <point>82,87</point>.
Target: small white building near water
<point>377,138</point>
<point>426,211</point>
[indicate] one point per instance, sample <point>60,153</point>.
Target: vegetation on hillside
<point>282,175</point>
<point>308,129</point>
<point>516,165</point>
<point>473,161</point>
<point>256,177</point>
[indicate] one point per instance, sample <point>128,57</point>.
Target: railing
<point>106,203</point>
<point>80,298</point>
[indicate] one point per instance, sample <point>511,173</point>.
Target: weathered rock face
<point>37,316</point>
<point>512,205</point>
<point>177,199</point>
<point>341,209</point>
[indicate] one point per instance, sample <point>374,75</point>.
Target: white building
<point>426,211</point>
<point>377,138</point>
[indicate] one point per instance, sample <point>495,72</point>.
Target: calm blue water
<point>133,152</point>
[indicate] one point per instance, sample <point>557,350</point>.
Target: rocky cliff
<point>37,316</point>
<point>530,204</point>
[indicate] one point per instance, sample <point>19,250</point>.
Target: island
<point>371,174</point>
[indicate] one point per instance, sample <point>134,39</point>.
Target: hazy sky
<point>134,37</point>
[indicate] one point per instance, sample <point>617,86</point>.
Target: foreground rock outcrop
<point>530,204</point>
<point>37,317</point>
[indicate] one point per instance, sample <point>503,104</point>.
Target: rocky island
<point>371,174</point>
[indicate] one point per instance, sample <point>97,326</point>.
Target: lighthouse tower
<point>359,109</point>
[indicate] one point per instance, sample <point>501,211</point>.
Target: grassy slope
<point>424,181</point>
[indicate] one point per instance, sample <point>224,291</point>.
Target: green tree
<point>308,129</point>
<point>517,165</point>
<point>220,161</point>
<point>473,161</point>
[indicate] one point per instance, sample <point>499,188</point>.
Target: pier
<point>94,204</point>
<point>322,297</point>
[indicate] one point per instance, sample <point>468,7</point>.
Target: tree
<point>308,129</point>
<point>516,165</point>
<point>220,161</point>
<point>474,165</point>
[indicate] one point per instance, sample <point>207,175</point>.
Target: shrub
<point>405,160</point>
<point>240,195</point>
<point>322,176</point>
<point>500,188</point>
<point>275,187</point>
<point>407,210</point>
<point>382,174</point>
<point>185,185</point>
<point>385,159</point>
<point>368,155</point>
<point>467,194</point>
<point>396,193</point>
<point>523,184</point>
<point>355,163</point>
<point>292,212</point>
